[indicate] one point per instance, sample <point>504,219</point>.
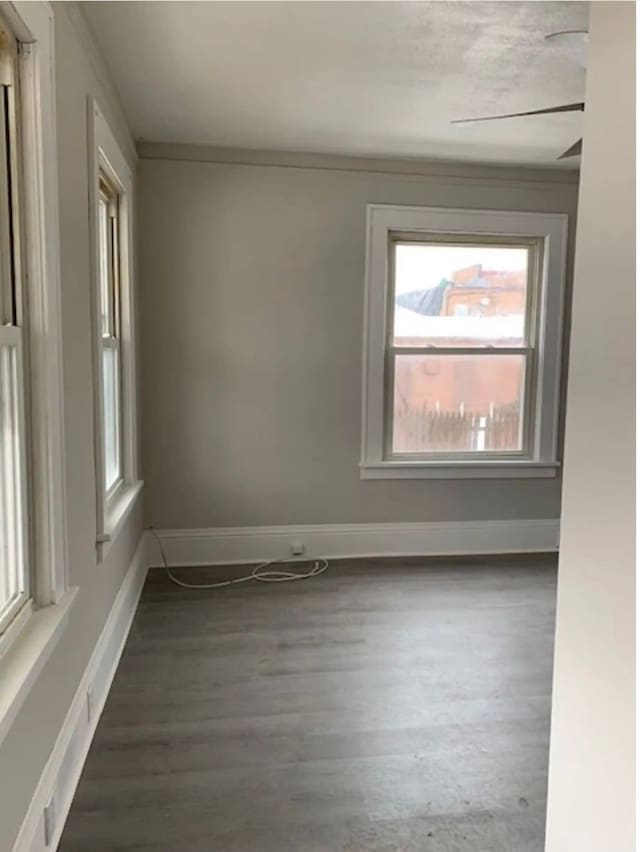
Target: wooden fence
<point>442,431</point>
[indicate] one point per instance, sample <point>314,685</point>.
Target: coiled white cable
<point>264,572</point>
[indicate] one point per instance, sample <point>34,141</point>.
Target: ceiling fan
<point>574,44</point>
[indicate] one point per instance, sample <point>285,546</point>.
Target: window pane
<point>111,391</point>
<point>450,295</point>
<point>104,267</point>
<point>7,294</point>
<point>458,403</point>
<point>13,575</point>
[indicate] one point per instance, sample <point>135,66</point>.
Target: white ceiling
<point>365,78</point>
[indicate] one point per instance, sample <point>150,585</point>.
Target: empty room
<point>317,426</point>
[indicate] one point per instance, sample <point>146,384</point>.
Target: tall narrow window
<point>117,483</point>
<point>109,255</point>
<point>35,597</point>
<point>463,340</point>
<point>14,571</point>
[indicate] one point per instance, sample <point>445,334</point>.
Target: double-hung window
<point>463,342</point>
<point>35,598</point>
<point>117,484</point>
<point>15,577</point>
<point>110,341</point>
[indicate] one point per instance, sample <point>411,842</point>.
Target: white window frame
<point>113,506</point>
<point>29,639</point>
<point>111,338</point>
<point>14,489</point>
<point>550,229</point>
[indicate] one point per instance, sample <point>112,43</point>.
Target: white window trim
<point>112,510</point>
<point>30,638</point>
<point>551,228</point>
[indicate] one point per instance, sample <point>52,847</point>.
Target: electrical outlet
<point>49,821</point>
<point>297,548</point>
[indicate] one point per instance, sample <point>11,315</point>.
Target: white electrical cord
<point>264,573</point>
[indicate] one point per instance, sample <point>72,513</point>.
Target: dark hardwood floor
<point>384,706</point>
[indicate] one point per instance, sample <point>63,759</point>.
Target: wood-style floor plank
<point>386,706</point>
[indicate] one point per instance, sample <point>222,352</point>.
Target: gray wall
<point>26,748</point>
<point>592,767</point>
<point>252,282</point>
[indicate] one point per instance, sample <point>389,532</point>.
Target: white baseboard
<point>61,774</point>
<point>225,546</point>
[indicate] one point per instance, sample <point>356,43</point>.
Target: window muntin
<point>110,337</point>
<point>460,346</point>
<point>14,546</point>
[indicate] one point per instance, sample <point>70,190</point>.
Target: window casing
<point>35,598</point>
<point>117,483</point>
<point>15,574</point>
<point>461,378</point>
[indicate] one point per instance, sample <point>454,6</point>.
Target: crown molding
<point>557,178</point>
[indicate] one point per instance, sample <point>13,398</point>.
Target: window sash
<point>527,349</point>
<point>109,258</point>
<point>14,305</point>
<point>104,262</point>
<point>14,573</point>
<point>527,419</point>
<point>112,397</point>
<point>7,313</point>
<point>112,417</point>
<point>533,246</point>
<point>15,579</point>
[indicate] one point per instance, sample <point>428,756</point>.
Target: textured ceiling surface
<point>363,78</point>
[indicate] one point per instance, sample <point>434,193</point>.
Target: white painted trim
<point>33,23</point>
<point>453,171</point>
<point>551,229</point>
<point>105,153</point>
<point>61,774</point>
<point>225,546</point>
<point>119,511</point>
<point>461,470</point>
<point>24,656</point>
<point>27,643</point>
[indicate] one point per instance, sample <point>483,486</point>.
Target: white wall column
<point>591,783</point>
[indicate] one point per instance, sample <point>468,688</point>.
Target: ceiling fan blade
<point>573,43</point>
<point>574,151</point>
<point>579,107</point>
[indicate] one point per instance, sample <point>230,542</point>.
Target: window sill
<point>118,510</point>
<point>460,470</point>
<point>23,661</point>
